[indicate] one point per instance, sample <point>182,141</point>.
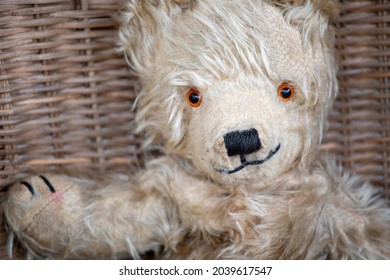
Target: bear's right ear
<point>143,22</point>
<point>328,8</point>
<point>312,18</point>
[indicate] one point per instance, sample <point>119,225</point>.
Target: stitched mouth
<point>245,163</point>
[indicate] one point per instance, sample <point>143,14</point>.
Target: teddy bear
<point>235,95</point>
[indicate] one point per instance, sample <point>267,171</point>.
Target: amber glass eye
<point>286,91</point>
<point>194,97</point>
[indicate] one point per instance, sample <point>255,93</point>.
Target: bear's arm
<point>85,216</point>
<point>337,216</point>
<point>82,215</point>
<point>356,222</point>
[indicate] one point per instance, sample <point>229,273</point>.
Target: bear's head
<point>240,90</point>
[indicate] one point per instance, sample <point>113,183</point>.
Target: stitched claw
<point>29,187</point>
<point>49,185</point>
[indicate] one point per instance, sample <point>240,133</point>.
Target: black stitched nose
<point>242,142</point>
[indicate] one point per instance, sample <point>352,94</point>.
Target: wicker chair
<point>66,95</point>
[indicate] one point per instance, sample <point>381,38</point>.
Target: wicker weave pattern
<point>66,95</point>
<point>359,130</point>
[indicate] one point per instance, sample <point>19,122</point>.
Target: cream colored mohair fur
<point>282,200</point>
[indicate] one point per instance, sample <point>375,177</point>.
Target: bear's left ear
<point>143,24</point>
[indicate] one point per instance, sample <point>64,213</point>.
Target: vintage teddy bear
<point>236,94</point>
